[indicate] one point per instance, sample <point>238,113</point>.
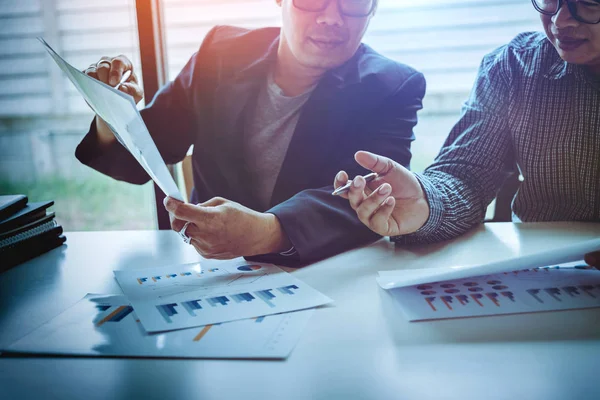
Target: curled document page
<point>570,253</point>
<point>120,113</point>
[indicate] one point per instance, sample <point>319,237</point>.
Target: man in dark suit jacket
<point>272,114</point>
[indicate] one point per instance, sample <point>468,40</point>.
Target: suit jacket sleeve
<point>320,225</point>
<point>169,119</point>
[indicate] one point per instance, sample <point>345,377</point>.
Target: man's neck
<point>292,77</point>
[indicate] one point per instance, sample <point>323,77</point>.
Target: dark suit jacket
<point>369,103</point>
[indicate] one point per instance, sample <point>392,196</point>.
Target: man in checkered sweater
<point>535,109</point>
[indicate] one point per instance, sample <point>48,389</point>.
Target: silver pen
<point>343,189</point>
<point>124,78</point>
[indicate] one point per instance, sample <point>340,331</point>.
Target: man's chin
<point>325,63</point>
<point>579,57</point>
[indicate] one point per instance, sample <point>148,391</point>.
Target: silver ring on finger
<point>102,62</point>
<point>183,235</point>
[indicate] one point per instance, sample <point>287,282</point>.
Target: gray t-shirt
<point>269,130</point>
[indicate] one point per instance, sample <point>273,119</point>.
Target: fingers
<point>593,259</point>
<point>91,71</point>
<point>356,194</point>
<point>376,163</point>
<point>118,66</point>
<point>203,248</point>
<point>210,253</point>
<point>340,180</point>
<point>103,69</point>
<point>110,70</point>
<point>183,211</point>
<point>214,202</point>
<point>133,90</point>
<point>178,224</point>
<point>371,203</point>
<point>380,219</point>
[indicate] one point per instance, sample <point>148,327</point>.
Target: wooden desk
<point>361,347</point>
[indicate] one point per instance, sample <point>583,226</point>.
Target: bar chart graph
<point>214,301</point>
<point>222,292</point>
<point>167,311</point>
<point>506,293</point>
<point>238,298</point>
<point>266,296</point>
<point>191,306</point>
<point>117,315</point>
<point>288,289</point>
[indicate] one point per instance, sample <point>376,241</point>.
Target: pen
<point>124,78</point>
<point>346,187</point>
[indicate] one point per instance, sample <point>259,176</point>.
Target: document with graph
<point>532,290</point>
<point>551,256</point>
<point>120,113</point>
<point>185,296</point>
<point>107,325</point>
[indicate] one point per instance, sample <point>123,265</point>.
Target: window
<point>43,118</point>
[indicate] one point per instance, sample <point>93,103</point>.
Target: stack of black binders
<point>26,230</point>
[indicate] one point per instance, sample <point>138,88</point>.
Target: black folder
<point>28,214</point>
<point>10,204</point>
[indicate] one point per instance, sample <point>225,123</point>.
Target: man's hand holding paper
<point>223,229</point>
<point>119,113</point>
<point>110,71</point>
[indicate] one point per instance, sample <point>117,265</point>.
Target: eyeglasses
<point>586,11</point>
<point>349,8</point>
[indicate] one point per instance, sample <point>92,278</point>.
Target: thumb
<point>376,163</point>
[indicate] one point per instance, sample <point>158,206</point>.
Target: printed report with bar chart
<point>190,295</point>
<point>532,290</point>
<point>107,325</point>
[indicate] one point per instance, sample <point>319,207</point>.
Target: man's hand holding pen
<point>391,204</point>
<point>223,229</point>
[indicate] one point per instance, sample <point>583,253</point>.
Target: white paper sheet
<point>106,325</point>
<point>403,278</point>
<point>525,291</point>
<point>184,296</point>
<point>121,114</point>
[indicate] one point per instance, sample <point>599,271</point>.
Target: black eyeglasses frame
<point>572,10</point>
<point>326,4</point>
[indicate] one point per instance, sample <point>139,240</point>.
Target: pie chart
<point>249,268</point>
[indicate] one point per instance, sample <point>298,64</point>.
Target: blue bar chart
<point>266,296</point>
<point>186,297</point>
<point>167,311</point>
<point>191,306</point>
<point>214,301</point>
<point>238,298</point>
<point>288,289</point>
